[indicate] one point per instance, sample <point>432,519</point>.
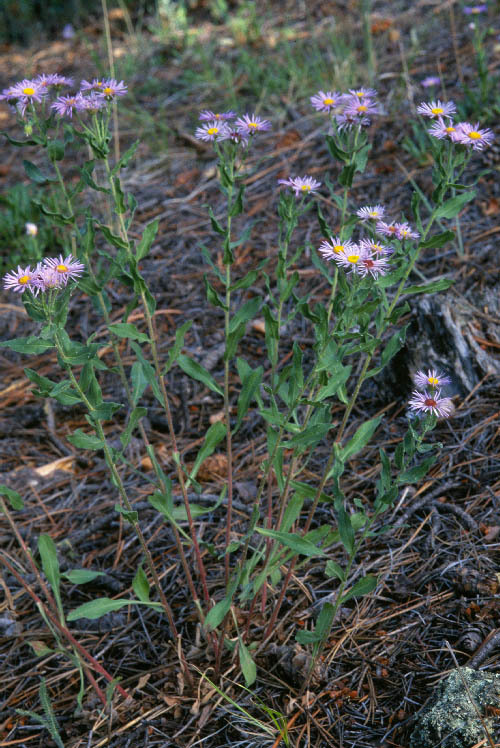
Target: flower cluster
<point>218,126</point>
<point>462,132</point>
<point>352,108</point>
<point>368,256</point>
<point>430,400</point>
<point>91,96</point>
<point>51,272</point>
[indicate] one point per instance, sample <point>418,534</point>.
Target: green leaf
<point>414,474</point>
<point>85,441</point>
<point>293,541</point>
<point>129,516</point>
<point>113,239</point>
<point>177,346</point>
<point>332,569</point>
<point>196,371</point>
<point>360,438</point>
<point>248,667</point>
<point>215,223</point>
<point>362,587</point>
<point>50,564</point>
<point>13,497</point>
<point>97,608</point>
<point>214,435</point>
<point>119,197</point>
<point>311,436</point>
<point>27,345</point>
<point>216,615</point>
<point>439,240</point>
<point>139,381</point>
<point>335,150</point>
<point>140,585</point>
<point>251,380</point>
<point>82,576</point>
<point>346,530</point>
<point>124,160</point>
<point>393,346</point>
<point>212,295</point>
<point>147,239</point>
<point>134,419</point>
<point>454,205</point>
<point>34,173</point>
<point>347,175</point>
<point>86,175</point>
<point>237,326</point>
<point>128,330</point>
<point>237,207</point>
<point>433,287</point>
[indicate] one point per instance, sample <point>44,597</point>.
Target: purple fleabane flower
<point>386,229</point>
<point>404,231</point>
<point>65,105</point>
<point>362,93</point>
<point>91,103</point>
<point>250,124</point>
<point>347,120</point>
<point>432,379</point>
<point>427,402</point>
<point>67,268</point>
<point>53,79</point>
<point>331,249</point>
<point>213,131</point>
<point>301,185</point>
<point>96,85</point>
<point>19,280</point>
<point>472,10</point>
<point>442,129</point>
<point>25,92</point>
<point>356,108</point>
<point>208,116</point>
<point>437,109</point>
<point>352,259</point>
<point>325,102</point>
<point>111,88</point>
<point>473,136</point>
<point>375,248</point>
<point>46,278</point>
<point>370,265</point>
<point>371,212</point>
<point>431,80</point>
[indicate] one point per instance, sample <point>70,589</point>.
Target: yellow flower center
<point>24,279</point>
<point>328,102</point>
<point>377,247</point>
<point>306,188</point>
<point>353,258</point>
<point>98,83</point>
<point>392,229</point>
<point>218,116</point>
<point>108,91</point>
<point>362,108</point>
<point>373,214</point>
<point>474,135</point>
<point>253,124</point>
<point>437,110</point>
<point>450,129</point>
<point>338,248</point>
<point>28,91</point>
<point>359,94</point>
<point>61,268</point>
<point>434,381</point>
<point>213,130</point>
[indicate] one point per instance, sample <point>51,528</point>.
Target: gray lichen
<point>451,721</point>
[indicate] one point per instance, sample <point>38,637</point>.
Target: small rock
<point>451,721</point>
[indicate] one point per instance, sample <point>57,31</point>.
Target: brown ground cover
<point>438,564</point>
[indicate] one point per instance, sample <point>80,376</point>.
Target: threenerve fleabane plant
<point>366,258</point>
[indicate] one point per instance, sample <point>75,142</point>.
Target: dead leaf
<point>213,468</point>
<point>259,326</point>
<point>63,463</point>
<point>216,417</point>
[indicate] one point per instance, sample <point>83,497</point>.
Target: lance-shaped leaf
<point>291,540</point>
<point>13,497</point>
<point>98,608</point>
<point>362,436</point>
<point>454,205</point>
<point>198,372</point>
<point>147,239</point>
<point>214,435</point>
<point>128,330</point>
<point>362,587</point>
